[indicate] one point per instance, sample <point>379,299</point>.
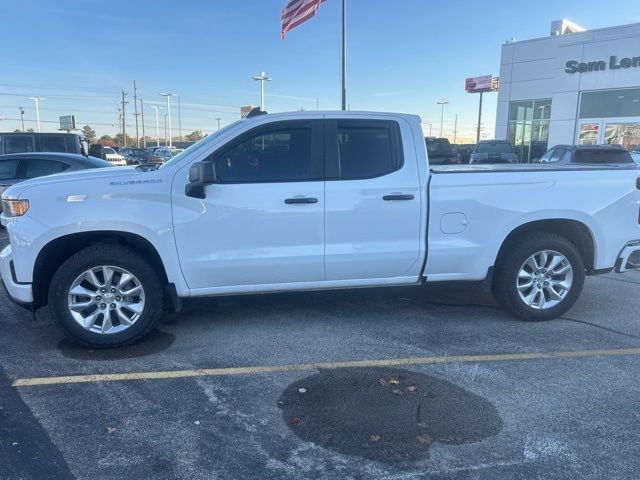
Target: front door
<point>263,223</point>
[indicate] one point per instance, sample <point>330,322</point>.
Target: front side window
<point>279,155</point>
<point>368,149</point>
<point>604,156</point>
<point>40,168</point>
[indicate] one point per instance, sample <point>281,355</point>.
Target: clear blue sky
<point>404,55</point>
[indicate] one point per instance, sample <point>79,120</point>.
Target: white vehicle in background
<point>111,156</point>
<point>307,201</point>
<point>635,154</point>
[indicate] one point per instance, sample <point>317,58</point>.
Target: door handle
<point>291,201</point>
<point>398,196</point>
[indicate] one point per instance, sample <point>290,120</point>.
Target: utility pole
<point>169,95</point>
<point>455,130</point>
<point>144,137</point>
<point>135,112</point>
<point>22,116</point>
<point>317,103</point>
<point>124,131</point>
<point>263,77</point>
<point>479,119</point>
<point>442,103</point>
<point>218,119</point>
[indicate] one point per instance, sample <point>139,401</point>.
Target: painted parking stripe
<point>392,362</point>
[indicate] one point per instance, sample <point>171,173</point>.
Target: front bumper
<point>629,258</point>
<point>21,293</point>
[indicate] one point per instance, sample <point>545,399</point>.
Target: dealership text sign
<point>574,66</point>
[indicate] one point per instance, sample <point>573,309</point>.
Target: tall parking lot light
<point>442,103</point>
<point>263,77</point>
<point>169,95</point>
<point>156,108</point>
<point>21,109</point>
<point>37,100</point>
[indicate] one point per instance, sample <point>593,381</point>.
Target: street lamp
<point>218,119</point>
<point>263,77</point>
<point>169,95</point>
<point>37,100</point>
<point>21,109</point>
<point>442,103</point>
<point>156,108</point>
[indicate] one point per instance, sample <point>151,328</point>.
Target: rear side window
<point>40,168</point>
<point>18,144</point>
<point>8,169</point>
<point>602,156</point>
<point>52,143</point>
<point>368,149</point>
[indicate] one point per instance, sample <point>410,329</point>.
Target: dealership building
<point>575,86</point>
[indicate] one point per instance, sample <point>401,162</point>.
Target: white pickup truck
<point>306,201</point>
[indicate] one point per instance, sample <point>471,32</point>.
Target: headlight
<point>14,208</point>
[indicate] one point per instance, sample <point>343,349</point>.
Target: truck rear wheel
<point>106,296</point>
<point>539,278</point>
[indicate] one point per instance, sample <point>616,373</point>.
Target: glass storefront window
<point>610,103</point>
<point>588,134</point>
<point>528,128</point>
<point>626,134</point>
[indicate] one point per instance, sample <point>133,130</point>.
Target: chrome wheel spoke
<point>80,306</point>
<point>106,322</point>
<point>90,320</point>
<point>107,274</point>
<point>133,307</point>
<point>124,320</point>
<point>135,291</point>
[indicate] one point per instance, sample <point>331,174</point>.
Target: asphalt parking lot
<point>380,383</point>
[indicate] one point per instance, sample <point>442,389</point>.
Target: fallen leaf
<point>383,382</point>
<point>111,429</point>
<point>14,443</point>
<point>424,439</point>
<point>397,391</point>
<point>394,381</point>
<point>422,424</point>
<point>375,437</point>
<point>302,390</point>
<point>197,422</point>
<point>294,422</point>
<point>412,388</point>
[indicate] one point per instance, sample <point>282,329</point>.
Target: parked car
<point>441,152</point>
<point>635,154</point>
<point>18,167</point>
<point>295,202</point>
<point>108,154</point>
<point>493,151</point>
<point>41,142</point>
<point>162,152</point>
<point>589,154</point>
<point>140,156</point>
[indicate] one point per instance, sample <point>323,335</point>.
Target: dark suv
<point>41,142</point>
<point>140,156</point>
<point>587,154</point>
<point>441,152</point>
<point>493,151</point>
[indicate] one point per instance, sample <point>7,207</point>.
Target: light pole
<point>22,116</point>
<point>37,100</point>
<point>442,103</point>
<point>165,130</point>
<point>218,119</point>
<point>169,95</point>
<point>263,77</point>
<point>156,108</point>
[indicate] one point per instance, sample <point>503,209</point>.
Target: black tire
<point>505,279</point>
<point>117,256</point>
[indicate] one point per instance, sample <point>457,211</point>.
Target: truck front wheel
<point>540,277</point>
<point>106,296</point>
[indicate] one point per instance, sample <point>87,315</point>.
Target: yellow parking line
<point>392,362</point>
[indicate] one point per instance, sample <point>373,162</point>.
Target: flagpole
<point>344,54</point>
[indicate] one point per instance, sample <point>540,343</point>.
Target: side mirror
<point>201,174</point>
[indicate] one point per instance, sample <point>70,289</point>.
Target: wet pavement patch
<point>385,414</point>
<point>155,342</point>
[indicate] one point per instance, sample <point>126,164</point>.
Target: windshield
<point>109,150</point>
<point>139,151</point>
<point>439,147</point>
<point>179,156</point>
<point>501,147</point>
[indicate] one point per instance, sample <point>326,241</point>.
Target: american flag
<point>297,12</point>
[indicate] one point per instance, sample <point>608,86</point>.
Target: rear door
<point>372,195</point>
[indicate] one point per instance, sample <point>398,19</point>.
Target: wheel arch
<point>574,231</point>
<point>54,254</point>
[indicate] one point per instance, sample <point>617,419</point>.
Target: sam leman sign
<point>580,67</point>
